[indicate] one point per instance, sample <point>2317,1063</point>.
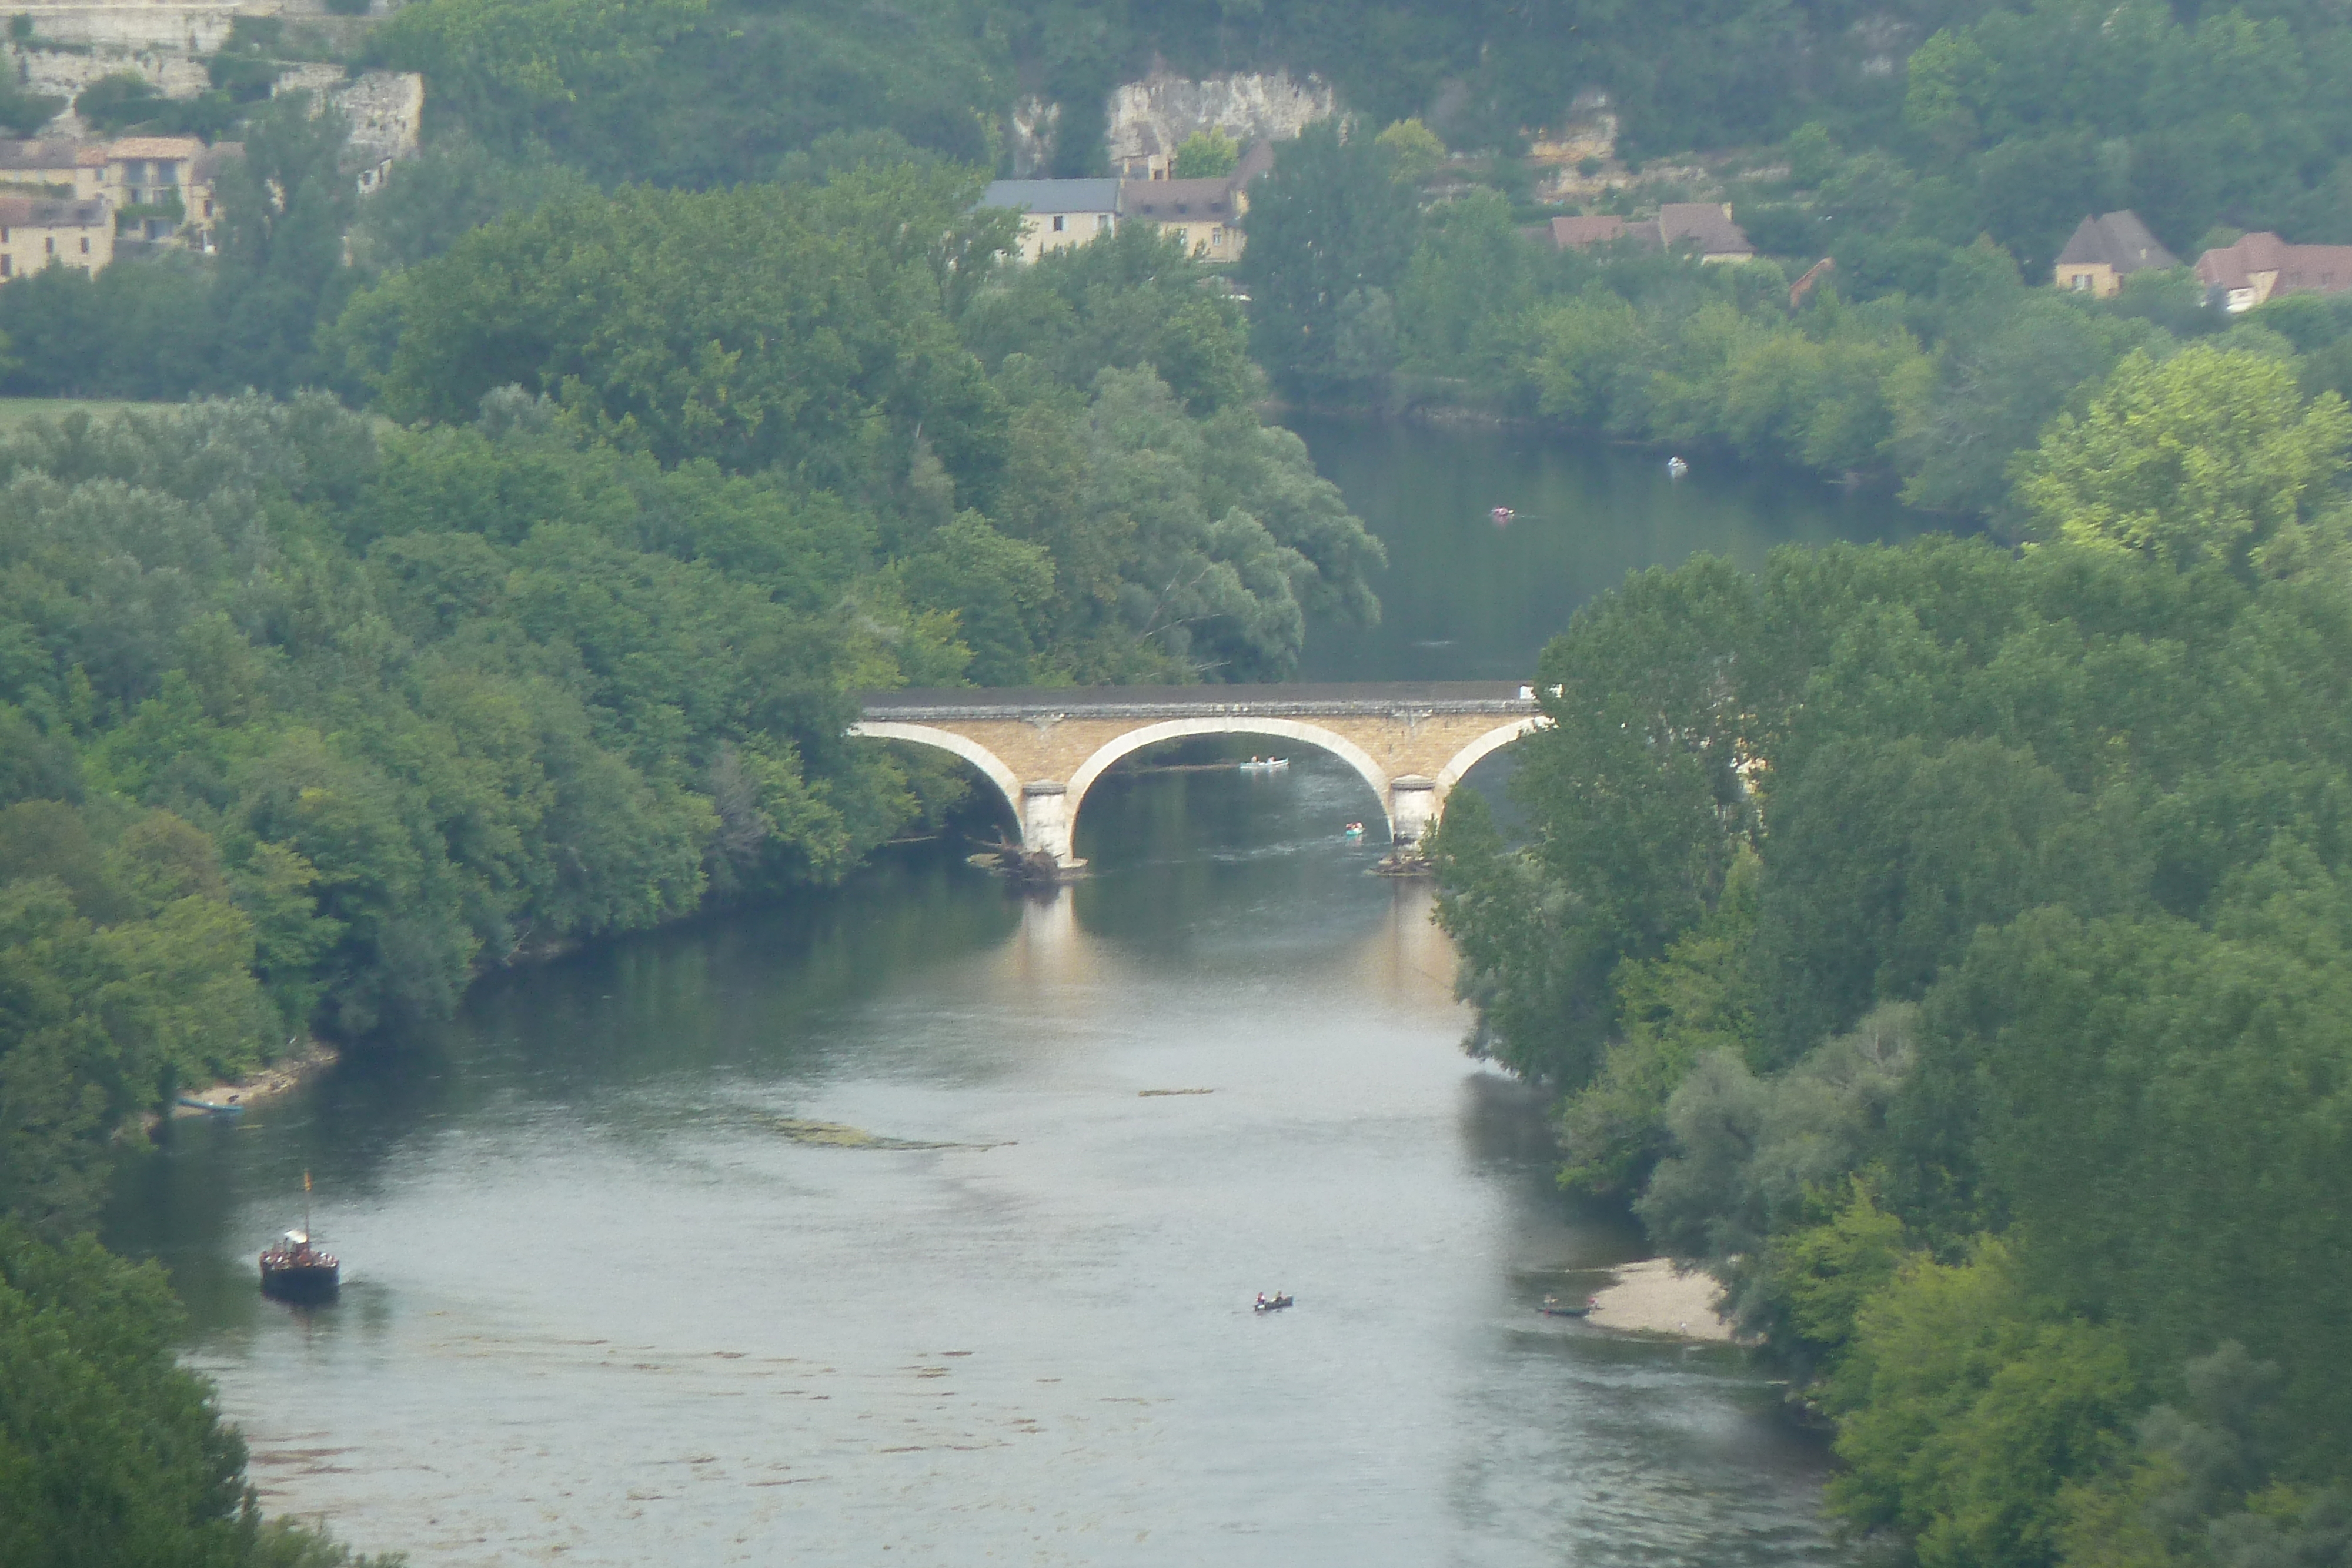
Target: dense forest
<point>1946,946</point>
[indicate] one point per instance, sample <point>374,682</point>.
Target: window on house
<point>167,172</point>
<point>1216,237</point>
<point>1060,223</point>
<point>2081,282</point>
<point>50,245</point>
<point>7,267</point>
<point>85,244</point>
<point>208,209</point>
<point>1102,222</point>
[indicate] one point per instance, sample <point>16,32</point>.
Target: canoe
<point>217,1107</point>
<point>1564,1311</point>
<point>1276,1305</point>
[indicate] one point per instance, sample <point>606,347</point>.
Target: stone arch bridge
<point>1044,749</point>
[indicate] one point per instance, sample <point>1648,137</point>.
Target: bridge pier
<point>1045,821</point>
<point>1412,808</point>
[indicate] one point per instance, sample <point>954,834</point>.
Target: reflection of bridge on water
<point>1044,749</point>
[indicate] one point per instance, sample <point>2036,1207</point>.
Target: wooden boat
<point>1264,765</point>
<point>294,1270</point>
<point>1553,1307</point>
<point>1273,1303</point>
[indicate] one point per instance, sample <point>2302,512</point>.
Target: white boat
<point>1676,467</point>
<point>1264,765</point>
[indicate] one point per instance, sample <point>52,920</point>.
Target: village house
<point>2105,251</point>
<point>74,169</point>
<point>1058,213</point>
<point>51,231</point>
<point>153,182</point>
<point>1204,215</point>
<point>1703,229</point>
<point>2261,266</point>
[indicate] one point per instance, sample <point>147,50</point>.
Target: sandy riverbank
<point>1649,1297</point>
<point>275,1079</point>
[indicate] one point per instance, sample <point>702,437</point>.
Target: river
<point>624,1287</point>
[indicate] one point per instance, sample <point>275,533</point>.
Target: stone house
<point>147,177</point>
<point>1205,214</point>
<point>53,168</point>
<point>1058,213</point>
<point>2105,251</point>
<point>49,231</point>
<point>1703,229</point>
<point>1202,214</point>
<point>2261,266</point>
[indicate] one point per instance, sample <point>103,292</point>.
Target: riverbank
<point>1649,1297</point>
<point>286,1073</point>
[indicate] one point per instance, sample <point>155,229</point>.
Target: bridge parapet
<point>1044,747</point>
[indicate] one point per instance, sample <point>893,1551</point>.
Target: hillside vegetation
<point>1945,947</point>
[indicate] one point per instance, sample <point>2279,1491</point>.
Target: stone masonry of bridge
<point>1044,749</point>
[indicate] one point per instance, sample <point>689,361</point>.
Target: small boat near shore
<point>211,1107</point>
<point>1274,1303</point>
<point>1553,1307</point>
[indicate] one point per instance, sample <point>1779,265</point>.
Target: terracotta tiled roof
<point>154,147</point>
<point>2301,268</point>
<point>2118,240</point>
<point>1574,233</point>
<point>45,213</point>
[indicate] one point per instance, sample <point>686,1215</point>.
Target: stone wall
<point>61,74</point>
<point>198,26</point>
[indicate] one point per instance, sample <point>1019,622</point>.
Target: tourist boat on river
<point>1264,765</point>
<point>1273,1303</point>
<point>1553,1307</point>
<point>294,1270</point>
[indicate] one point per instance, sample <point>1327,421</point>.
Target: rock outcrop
<point>1151,117</point>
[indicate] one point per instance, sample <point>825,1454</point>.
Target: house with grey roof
<point>1056,213</point>
<point>2105,251</point>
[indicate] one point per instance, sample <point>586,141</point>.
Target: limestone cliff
<point>1151,117</point>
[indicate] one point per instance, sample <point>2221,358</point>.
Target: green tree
<point>1329,223</point>
<point>1206,155</point>
<point>2208,457</point>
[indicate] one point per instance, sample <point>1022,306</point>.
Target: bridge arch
<point>1314,734</point>
<point>1478,750</point>
<point>992,766</point>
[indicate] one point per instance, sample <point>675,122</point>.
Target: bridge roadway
<point>1044,747</point>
